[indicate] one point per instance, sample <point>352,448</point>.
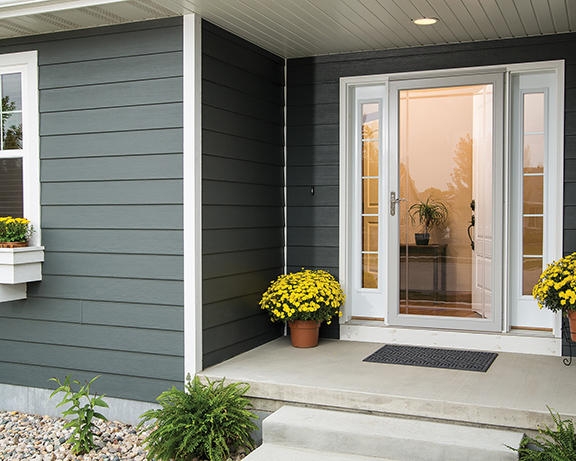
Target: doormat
<point>452,359</point>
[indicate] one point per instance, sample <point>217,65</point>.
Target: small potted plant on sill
<point>429,214</point>
<point>556,289</point>
<point>14,232</point>
<point>304,299</point>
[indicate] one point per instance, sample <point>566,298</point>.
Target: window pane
<point>533,112</point>
<point>369,158</point>
<point>370,196</point>
<point>370,233</point>
<point>11,130</point>
<point>369,271</point>
<point>11,197</point>
<point>370,121</point>
<point>532,233</point>
<point>534,153</point>
<point>533,191</point>
<point>11,92</point>
<point>531,267</point>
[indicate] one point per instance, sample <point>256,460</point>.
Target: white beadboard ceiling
<point>296,28</point>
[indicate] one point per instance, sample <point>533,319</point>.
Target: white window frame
<point>26,64</point>
<point>21,265</point>
<point>522,312</point>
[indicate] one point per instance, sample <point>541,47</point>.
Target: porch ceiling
<point>296,28</point>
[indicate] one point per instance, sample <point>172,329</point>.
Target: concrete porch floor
<point>513,393</point>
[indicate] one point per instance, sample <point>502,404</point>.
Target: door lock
<point>393,202</point>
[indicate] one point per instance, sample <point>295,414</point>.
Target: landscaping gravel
<point>42,438</point>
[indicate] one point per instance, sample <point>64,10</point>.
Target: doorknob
<point>393,202</point>
<point>472,223</point>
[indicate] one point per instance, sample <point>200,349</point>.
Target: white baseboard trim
<point>539,343</point>
<point>37,401</point>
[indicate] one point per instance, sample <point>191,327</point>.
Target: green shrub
<point>207,421</point>
<point>82,415</point>
<point>552,444</point>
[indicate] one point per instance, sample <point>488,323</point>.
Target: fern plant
<point>81,415</point>
<point>205,421</point>
<point>557,444</point>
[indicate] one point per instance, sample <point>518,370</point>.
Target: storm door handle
<point>393,202</point>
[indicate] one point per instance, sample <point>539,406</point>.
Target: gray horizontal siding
<point>145,92</point>
<point>131,68</point>
<point>134,364</point>
<point>224,145</point>
<point>141,266</point>
<point>137,142</point>
<point>107,338</point>
<point>163,217</point>
<point>140,192</point>
<point>143,167</point>
<point>125,241</point>
<point>145,291</point>
<point>111,298</point>
<point>242,190</point>
<point>226,240</point>
<point>158,117</point>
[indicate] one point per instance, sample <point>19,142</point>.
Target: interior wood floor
<point>440,308</point>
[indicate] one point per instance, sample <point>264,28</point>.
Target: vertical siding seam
<point>285,168</point>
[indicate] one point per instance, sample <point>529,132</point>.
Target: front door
<point>430,162</point>
<point>446,145</point>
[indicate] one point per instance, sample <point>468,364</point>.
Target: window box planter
<point>17,267</point>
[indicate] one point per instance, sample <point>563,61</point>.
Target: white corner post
<point>192,194</point>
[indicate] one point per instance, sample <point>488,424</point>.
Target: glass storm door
<point>427,160</point>
<point>442,201</point>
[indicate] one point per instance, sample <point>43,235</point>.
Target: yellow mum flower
<point>304,295</point>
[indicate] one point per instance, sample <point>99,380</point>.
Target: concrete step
<point>272,452</point>
<point>381,436</point>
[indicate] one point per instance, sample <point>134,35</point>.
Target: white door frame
<point>374,330</point>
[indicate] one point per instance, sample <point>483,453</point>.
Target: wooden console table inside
<point>437,255</point>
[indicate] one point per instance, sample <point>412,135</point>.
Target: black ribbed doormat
<point>453,359</point>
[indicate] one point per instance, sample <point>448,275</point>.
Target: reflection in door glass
<point>370,140</point>
<point>445,145</point>
<point>534,148</point>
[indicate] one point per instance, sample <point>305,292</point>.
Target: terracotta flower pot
<point>572,322</point>
<point>13,244</point>
<point>304,333</point>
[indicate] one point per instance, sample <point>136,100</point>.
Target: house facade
<point>172,169</point>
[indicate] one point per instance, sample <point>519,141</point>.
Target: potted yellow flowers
<point>556,289</point>
<point>304,299</point>
<point>14,232</point>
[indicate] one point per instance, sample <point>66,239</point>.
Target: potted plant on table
<point>429,214</point>
<point>304,299</point>
<point>556,289</point>
<point>14,232</point>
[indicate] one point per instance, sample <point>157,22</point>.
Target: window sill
<point>17,267</point>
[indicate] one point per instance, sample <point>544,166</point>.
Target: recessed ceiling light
<point>425,21</point>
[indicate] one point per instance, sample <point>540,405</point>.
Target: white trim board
<point>519,342</point>
<point>192,195</point>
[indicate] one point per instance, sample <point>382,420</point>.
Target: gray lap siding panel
<point>111,298</point>
<point>242,190</point>
<point>312,126</point>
